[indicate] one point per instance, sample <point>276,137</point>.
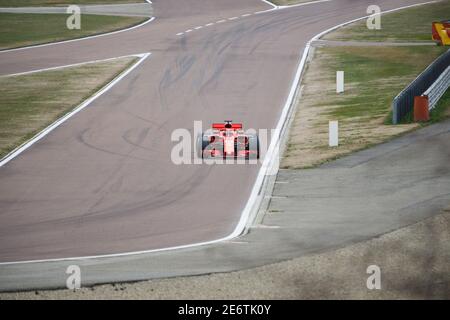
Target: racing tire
<point>202,143</point>
<point>253,144</point>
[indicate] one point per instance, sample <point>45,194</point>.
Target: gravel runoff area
<point>413,262</point>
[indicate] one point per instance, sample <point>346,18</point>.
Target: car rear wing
<point>221,126</point>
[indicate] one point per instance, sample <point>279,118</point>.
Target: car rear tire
<point>253,145</point>
<point>202,143</point>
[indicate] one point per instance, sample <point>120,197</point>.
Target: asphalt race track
<point>103,182</point>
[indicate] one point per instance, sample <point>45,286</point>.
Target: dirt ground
<point>414,263</point>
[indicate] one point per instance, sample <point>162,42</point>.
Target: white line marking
<point>269,3</point>
<point>238,242</point>
<point>263,226</point>
<point>180,33</point>
<point>274,7</point>
<point>66,66</point>
<point>302,4</point>
<point>263,11</point>
<point>187,31</point>
<point>78,39</point>
<point>61,120</point>
<point>241,227</point>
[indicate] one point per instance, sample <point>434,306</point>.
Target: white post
<point>339,81</point>
<point>333,139</point>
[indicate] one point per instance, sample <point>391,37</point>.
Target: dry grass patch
<point>24,29</point>
<point>31,102</point>
<point>374,75</point>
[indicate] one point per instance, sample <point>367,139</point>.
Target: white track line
<point>78,39</point>
<point>61,120</point>
<point>270,4</point>
<point>67,66</point>
<point>274,7</point>
<point>242,227</point>
<point>302,4</point>
<point>263,11</point>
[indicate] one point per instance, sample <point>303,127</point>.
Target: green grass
<point>26,3</point>
<point>412,24</point>
<point>373,77</point>
<point>370,93</point>
<point>31,102</point>
<point>18,30</point>
<point>441,111</point>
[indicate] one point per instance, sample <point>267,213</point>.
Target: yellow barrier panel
<point>441,32</point>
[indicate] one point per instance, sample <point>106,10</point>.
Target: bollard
<point>421,109</point>
<point>333,134</point>
<point>339,81</point>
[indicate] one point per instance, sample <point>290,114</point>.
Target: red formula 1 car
<point>227,140</point>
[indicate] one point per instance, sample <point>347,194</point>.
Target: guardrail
<point>403,103</point>
<point>438,88</point>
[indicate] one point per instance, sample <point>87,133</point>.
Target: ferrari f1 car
<point>228,140</point>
